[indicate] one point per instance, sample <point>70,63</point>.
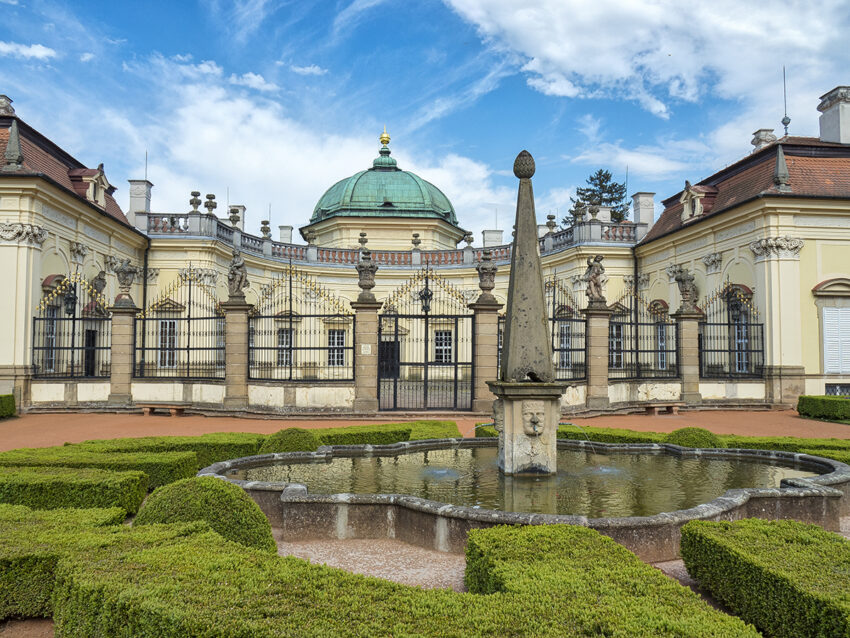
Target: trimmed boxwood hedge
<point>62,487</point>
<point>599,435</point>
<point>224,506</point>
<point>824,407</point>
<point>290,440</point>
<point>364,435</point>
<point>694,437</point>
<point>533,581</point>
<point>789,579</point>
<point>162,467</point>
<point>31,544</point>
<point>210,448</point>
<point>7,406</point>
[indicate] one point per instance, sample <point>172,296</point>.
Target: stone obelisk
<point>527,408</point>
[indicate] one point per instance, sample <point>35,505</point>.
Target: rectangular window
<point>564,339</point>
<point>336,347</point>
<point>836,340</point>
<point>167,343</point>
<point>742,345</point>
<point>615,346</point>
<point>284,346</point>
<point>50,340</point>
<point>443,346</point>
<point>661,338</point>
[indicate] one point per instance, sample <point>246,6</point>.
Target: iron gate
<point>425,347</point>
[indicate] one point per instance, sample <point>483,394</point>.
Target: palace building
<point>738,294</point>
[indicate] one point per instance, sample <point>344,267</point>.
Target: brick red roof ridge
<point>43,157</point>
<point>817,169</point>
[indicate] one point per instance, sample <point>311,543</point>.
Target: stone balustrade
<point>202,225</point>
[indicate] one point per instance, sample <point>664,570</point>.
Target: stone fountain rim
<point>837,473</point>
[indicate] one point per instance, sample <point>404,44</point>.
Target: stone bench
<point>670,407</point>
<point>176,409</point>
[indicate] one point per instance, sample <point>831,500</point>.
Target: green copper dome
<point>384,191</point>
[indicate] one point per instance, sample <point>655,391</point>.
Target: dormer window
<point>691,200</point>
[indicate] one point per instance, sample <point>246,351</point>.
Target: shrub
<point>420,430</point>
<point>161,468</point>
<point>62,487</point>
<point>364,435</point>
<point>290,440</point>
<point>783,443</point>
<point>823,407</point>
<point>224,506</point>
<point>607,435</point>
<point>209,448</point>
<point>553,581</point>
<point>842,456</point>
<point>486,431</point>
<point>31,543</point>
<point>693,437</point>
<point>790,579</point>
<point>7,406</point>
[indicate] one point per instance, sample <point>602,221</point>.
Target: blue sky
<point>277,100</point>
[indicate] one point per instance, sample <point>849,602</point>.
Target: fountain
<point>431,493</point>
<point>527,406</point>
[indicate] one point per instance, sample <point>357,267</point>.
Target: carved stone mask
<point>533,417</point>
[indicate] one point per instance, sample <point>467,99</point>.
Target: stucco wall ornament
<point>78,251</point>
<point>206,276</point>
<point>642,280</point>
<point>786,247</point>
<point>577,282</point>
<point>593,278</point>
<point>672,270</point>
<point>713,262</point>
<point>23,233</point>
<point>237,276</point>
<point>687,291</point>
<point>126,273</point>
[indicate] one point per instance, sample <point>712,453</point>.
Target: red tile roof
<point>43,157</point>
<point>815,169</point>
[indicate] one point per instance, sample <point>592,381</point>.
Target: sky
<point>267,103</point>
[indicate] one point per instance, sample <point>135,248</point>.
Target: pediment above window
<point>837,287</point>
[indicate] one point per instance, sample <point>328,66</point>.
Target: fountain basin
<point>298,514</point>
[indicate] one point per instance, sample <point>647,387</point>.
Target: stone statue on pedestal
<point>593,278</point>
<point>237,277</point>
<point>687,290</point>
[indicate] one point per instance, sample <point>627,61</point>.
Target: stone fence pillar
<point>122,356</point>
<point>366,355</point>
<point>236,351</point>
<point>688,322</point>
<point>596,352</point>
<point>485,362</point>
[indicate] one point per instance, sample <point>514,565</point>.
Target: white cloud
<point>662,52</point>
<point>348,19</point>
<point>30,52</point>
<point>253,81</point>
<point>87,57</point>
<point>312,69</point>
<point>243,17</point>
<point>664,160</point>
<point>12,2</point>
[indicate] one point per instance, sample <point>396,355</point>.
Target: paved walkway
<point>42,430</point>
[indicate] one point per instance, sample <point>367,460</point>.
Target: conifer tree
<point>601,190</point>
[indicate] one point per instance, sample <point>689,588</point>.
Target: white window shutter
<point>844,339</point>
<point>831,340</point>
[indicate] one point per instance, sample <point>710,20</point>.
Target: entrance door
<point>90,353</point>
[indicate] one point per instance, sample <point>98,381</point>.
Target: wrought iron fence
<point>731,338</point>
<point>72,330</point>
<point>425,346</point>
<point>181,333</point>
<point>567,327</point>
<point>642,339</point>
<point>300,331</point>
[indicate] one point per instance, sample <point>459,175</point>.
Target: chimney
<point>643,209</point>
<point>491,238</point>
<point>834,110</point>
<point>140,202</point>
<point>762,138</point>
<point>285,234</point>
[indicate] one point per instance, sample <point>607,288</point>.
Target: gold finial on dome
<point>385,137</point>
